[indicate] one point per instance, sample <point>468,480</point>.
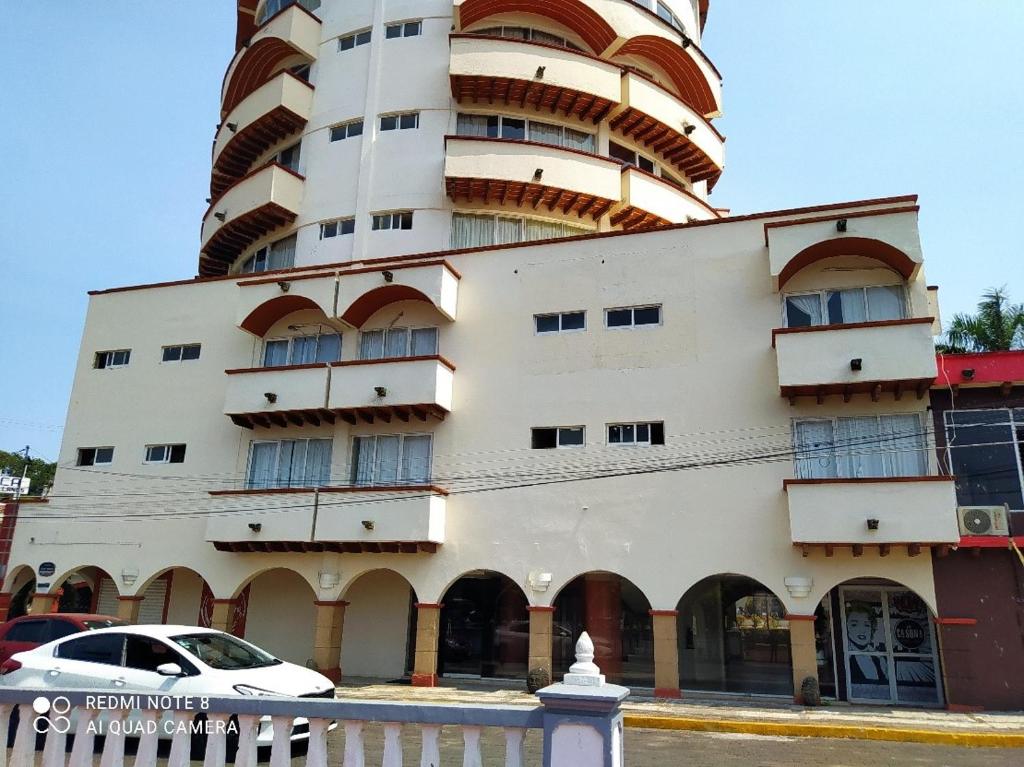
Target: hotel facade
<point>472,364</point>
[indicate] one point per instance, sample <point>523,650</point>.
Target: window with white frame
<point>108,360</point>
<point>985,449</point>
<point>643,433</point>
<point>560,322</point>
<point>354,39</point>
<point>396,219</point>
<point>95,456</point>
<point>633,316</point>
<point>302,350</point>
<point>628,156</point>
<point>289,157</point>
<point>289,463</point>
<point>301,71</point>
<point>551,437</point>
<point>180,353</point>
<point>337,227</point>
<point>391,343</point>
<point>276,255</point>
<point>472,230</point>
<point>165,454</point>
<point>349,129</point>
<point>391,459</point>
<point>839,307</point>
<point>403,29</point>
<point>401,121</point>
<point>520,129</point>
<point>666,14</point>
<point>528,34</point>
<point>860,446</point>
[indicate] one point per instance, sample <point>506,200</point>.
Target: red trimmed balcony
<point>648,200</point>
<point>506,171</point>
<point>549,78</point>
<point>274,111</point>
<point>255,205</point>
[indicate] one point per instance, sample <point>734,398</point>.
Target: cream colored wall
<point>375,638</point>
<point>185,595</point>
<point>280,617</point>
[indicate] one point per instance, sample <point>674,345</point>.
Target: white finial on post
<point>584,672</point>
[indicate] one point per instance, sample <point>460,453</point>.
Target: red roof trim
<point>990,541</point>
<point>819,219</point>
<point>990,369</point>
<point>851,326</point>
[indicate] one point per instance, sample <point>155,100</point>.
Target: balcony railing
<point>872,512</point>
<point>368,391</point>
<point>896,356</point>
<point>648,200</point>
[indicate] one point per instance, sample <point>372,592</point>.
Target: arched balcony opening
<point>371,302</point>
<point>879,251</point>
<point>575,15</point>
<point>689,80</point>
<point>266,315</point>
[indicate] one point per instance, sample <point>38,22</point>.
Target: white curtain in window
<point>386,466</point>
<point>471,125</point>
<point>852,302</point>
<point>809,304</point>
<point>303,350</point>
<point>397,342</point>
<point>903,446</point>
<point>537,229</point>
<point>416,459</point>
<point>815,454</point>
<point>328,348</point>
<point>424,342</point>
<point>261,464</point>
<point>282,253</point>
<point>275,353</point>
<point>318,463</point>
<point>290,461</point>
<point>362,460</point>
<point>545,133</point>
<point>470,231</point>
<point>575,139</point>
<point>508,230</point>
<point>371,345</point>
<point>885,303</point>
<point>859,447</point>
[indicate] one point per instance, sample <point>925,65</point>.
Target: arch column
<point>540,649</point>
<point>5,604</point>
<point>44,603</point>
<point>222,614</point>
<point>804,652</point>
<point>666,653</point>
<point>128,608</point>
<point>330,621</point>
<point>603,608</point>
<point>428,631</point>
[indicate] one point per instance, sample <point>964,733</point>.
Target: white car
<point>165,660</point>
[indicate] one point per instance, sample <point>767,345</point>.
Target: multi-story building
<point>471,404</point>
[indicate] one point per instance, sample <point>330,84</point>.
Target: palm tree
<point>998,326</point>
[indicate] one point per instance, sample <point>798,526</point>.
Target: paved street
<point>660,748</point>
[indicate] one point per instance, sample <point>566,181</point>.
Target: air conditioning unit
<point>983,520</point>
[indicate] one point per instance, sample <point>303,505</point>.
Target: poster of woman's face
<point>863,627</point>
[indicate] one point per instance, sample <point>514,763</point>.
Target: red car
<point>30,631</point>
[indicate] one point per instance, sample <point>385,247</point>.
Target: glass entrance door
<point>889,646</point>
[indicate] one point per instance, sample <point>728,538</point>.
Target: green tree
<point>39,471</point>
<point>997,326</point>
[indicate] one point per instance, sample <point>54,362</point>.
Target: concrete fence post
<point>582,715</point>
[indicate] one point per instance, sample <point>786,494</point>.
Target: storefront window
<point>485,628</point>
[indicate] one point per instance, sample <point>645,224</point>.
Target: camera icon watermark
<point>51,715</point>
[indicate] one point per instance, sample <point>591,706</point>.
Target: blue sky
<point>110,108</point>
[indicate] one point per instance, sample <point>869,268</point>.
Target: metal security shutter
<point>106,604</point>
<point>152,608</point>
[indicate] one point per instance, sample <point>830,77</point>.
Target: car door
<point>88,662</point>
<point>142,656</point>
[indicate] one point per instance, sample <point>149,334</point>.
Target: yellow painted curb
<point>811,730</point>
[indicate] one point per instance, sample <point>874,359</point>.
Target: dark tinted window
<point>146,654</point>
<point>547,323</point>
<point>649,315</point>
<point>27,631</point>
<point>544,439</point>
<point>98,648</point>
<point>620,318</point>
<point>573,321</point>
<point>61,628</point>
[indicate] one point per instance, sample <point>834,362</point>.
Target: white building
<point>440,450</point>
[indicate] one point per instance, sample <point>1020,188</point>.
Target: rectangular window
<point>112,359</point>
<point>861,446</point>
<point>350,129</point>
<point>289,157</point>
<point>399,219</point>
<point>842,307</point>
<point>348,42</point>
<point>498,126</point>
<point>633,316</point>
<point>276,255</point>
<point>165,454</point>
<point>289,463</point>
<point>182,353</point>
<point>397,342</point>
<point>337,228</point>
<point>470,230</point>
<point>627,156</point>
<point>525,33</point>
<point>95,456</point>
<point>986,454</point>
<point>302,350</point>
<point>547,438</point>
<point>562,322</point>
<point>404,29</point>
<point>404,121</point>
<point>391,459</point>
<point>647,433</point>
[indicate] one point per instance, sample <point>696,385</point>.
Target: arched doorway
<point>173,596</point>
<point>380,626</point>
<point>280,616</point>
<point>617,616</point>
<point>734,637</point>
<point>85,589</point>
<point>485,628</point>
<point>21,584</point>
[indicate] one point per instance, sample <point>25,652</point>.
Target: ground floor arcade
<point>865,640</point>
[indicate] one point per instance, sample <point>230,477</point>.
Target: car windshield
<point>224,652</point>
<point>104,623</point>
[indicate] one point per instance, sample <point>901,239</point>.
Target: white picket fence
<point>581,724</point>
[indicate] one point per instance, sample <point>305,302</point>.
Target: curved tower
<point>355,129</point>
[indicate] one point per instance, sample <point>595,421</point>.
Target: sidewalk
<point>736,714</point>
